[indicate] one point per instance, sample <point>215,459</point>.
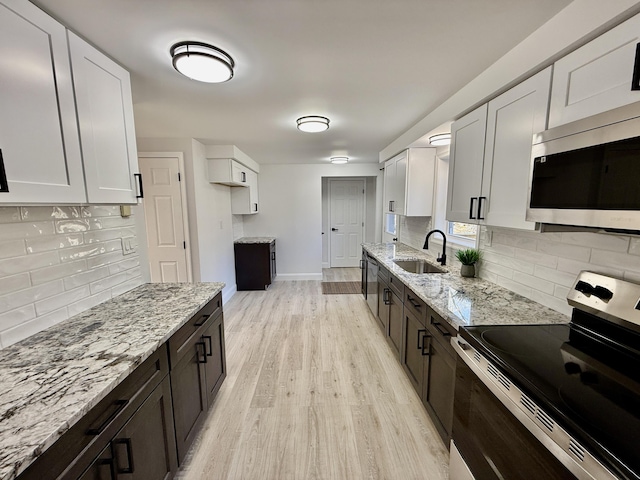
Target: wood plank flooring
<point>313,392</point>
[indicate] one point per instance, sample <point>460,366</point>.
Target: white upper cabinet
<point>598,76</point>
<point>38,131</point>
<point>409,179</point>
<point>491,154</point>
<point>228,172</point>
<point>512,120</point>
<point>105,118</point>
<point>465,166</point>
<point>244,201</point>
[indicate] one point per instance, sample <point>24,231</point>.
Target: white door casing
<point>346,222</point>
<point>165,217</point>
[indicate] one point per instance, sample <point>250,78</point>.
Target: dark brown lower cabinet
<point>394,337</point>
<point>198,368</point>
<point>144,449</point>
<point>439,375</point>
<point>255,265</point>
<point>384,292</point>
<point>414,353</point>
<point>143,428</point>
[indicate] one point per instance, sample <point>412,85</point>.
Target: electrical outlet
<point>129,245</point>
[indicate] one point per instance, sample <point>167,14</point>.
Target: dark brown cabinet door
<point>395,324</point>
<point>103,468</point>
<point>416,348</point>
<point>255,265</point>
<point>383,305</point>
<point>144,449</point>
<point>216,364</point>
<point>188,388</point>
<point>440,387</point>
<point>440,375</point>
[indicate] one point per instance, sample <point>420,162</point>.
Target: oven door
<point>491,440</point>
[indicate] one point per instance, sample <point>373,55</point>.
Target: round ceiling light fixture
<point>313,124</point>
<point>440,139</point>
<point>202,62</point>
<point>339,160</point>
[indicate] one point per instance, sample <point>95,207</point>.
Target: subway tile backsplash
<point>56,262</point>
<point>543,266</point>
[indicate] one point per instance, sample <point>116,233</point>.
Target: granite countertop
<point>463,301</point>
<point>255,240</point>
<point>50,380</point>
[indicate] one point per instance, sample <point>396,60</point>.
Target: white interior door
<point>165,219</point>
<point>346,221</point>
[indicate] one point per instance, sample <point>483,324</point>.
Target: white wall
<point>209,211</point>
<point>291,211</point>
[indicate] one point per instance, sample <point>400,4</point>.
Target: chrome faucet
<point>442,258</point>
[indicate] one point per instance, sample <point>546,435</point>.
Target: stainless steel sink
<point>418,266</point>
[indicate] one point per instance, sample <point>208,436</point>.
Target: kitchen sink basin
<point>418,266</point>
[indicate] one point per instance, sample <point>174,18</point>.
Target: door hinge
<point>363,191</point>
<point>363,224</point>
<point>184,245</point>
<point>179,177</point>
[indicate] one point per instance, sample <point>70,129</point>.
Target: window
<point>391,224</point>
<point>464,234</point>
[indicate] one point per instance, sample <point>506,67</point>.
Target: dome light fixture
<point>313,124</point>
<point>339,160</point>
<point>440,139</point>
<point>202,62</point>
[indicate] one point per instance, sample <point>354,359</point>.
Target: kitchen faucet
<point>442,258</point>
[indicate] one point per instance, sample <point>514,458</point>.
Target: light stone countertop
<point>50,380</point>
<point>463,301</point>
<point>255,240</point>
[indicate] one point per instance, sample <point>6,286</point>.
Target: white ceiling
<point>374,67</point>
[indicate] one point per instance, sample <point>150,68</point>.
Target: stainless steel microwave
<point>587,173</point>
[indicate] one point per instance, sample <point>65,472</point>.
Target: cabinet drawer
<point>182,341</point>
<point>76,449</point>
<point>383,275</point>
<point>396,286</point>
<point>415,305</point>
<point>441,331</point>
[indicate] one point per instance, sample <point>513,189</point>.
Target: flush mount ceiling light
<point>339,160</point>
<point>313,124</point>
<point>202,62</point>
<point>440,139</point>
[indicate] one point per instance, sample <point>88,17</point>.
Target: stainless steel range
<point>553,401</point>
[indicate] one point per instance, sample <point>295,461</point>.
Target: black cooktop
<point>589,381</point>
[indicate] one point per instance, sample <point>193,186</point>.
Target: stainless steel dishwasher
<point>372,284</point>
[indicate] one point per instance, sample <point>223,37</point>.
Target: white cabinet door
<point>420,182</point>
<point>400,183</point>
<point>465,166</point>
<point>389,184</point>
<point>512,120</point>
<point>105,117</point>
<point>38,131</point>
<point>228,172</point>
<point>596,77</point>
<point>244,200</point>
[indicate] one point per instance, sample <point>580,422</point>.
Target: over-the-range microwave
<point>587,173</point>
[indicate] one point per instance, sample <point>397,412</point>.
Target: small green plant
<point>469,256</point>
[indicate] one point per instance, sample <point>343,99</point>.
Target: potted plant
<point>468,257</point>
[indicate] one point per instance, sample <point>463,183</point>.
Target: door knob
<point>334,229</point>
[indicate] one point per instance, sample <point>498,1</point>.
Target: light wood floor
<point>341,275</point>
<point>313,392</point>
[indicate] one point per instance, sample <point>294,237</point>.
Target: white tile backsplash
<point>543,266</point>
<point>237,223</point>
<point>58,261</point>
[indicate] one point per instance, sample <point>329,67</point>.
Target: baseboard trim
<point>228,292</point>
<point>284,277</point>
<point>326,265</point>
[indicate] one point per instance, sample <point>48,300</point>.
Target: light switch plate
<point>129,245</point>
